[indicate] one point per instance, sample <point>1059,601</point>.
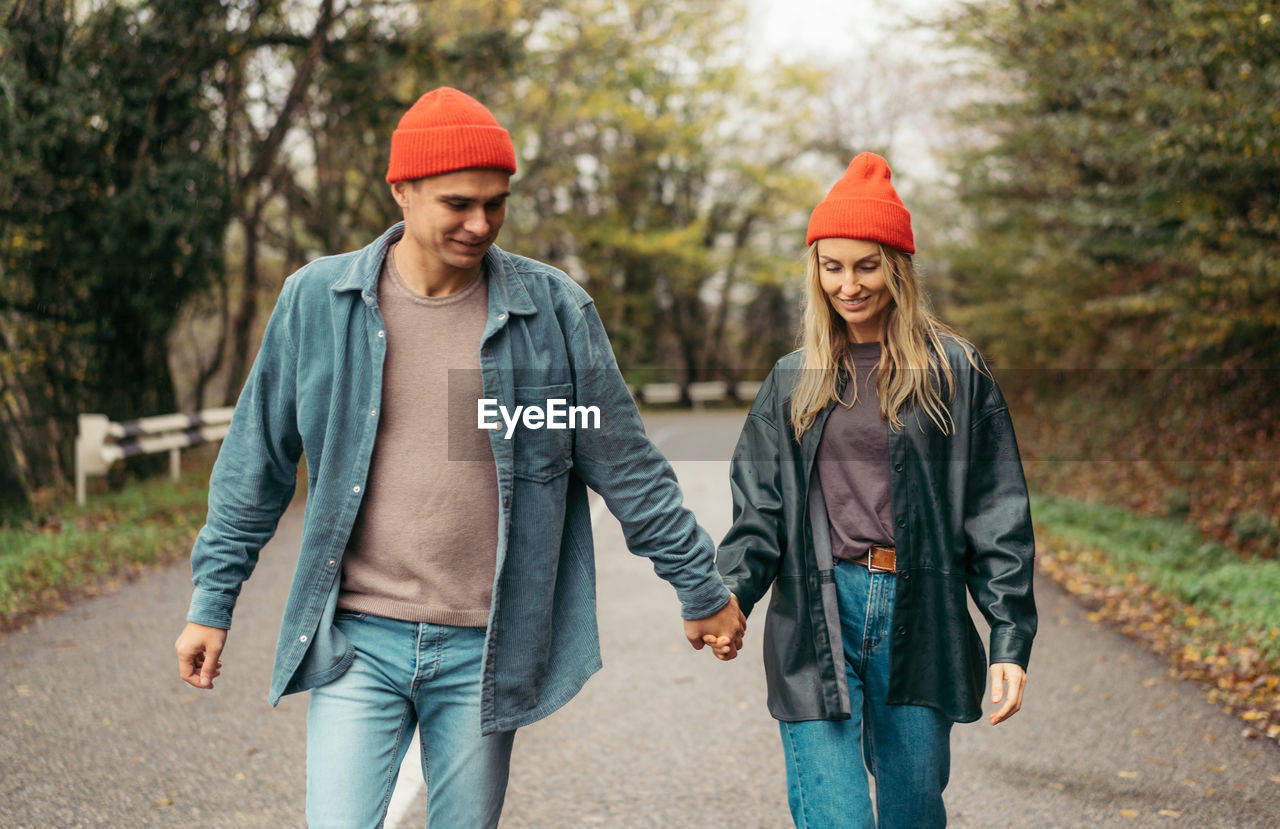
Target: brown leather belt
<point>878,559</point>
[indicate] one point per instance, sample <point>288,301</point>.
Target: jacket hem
<point>548,707</point>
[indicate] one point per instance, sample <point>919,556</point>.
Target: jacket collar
<point>362,273</point>
<point>506,289</point>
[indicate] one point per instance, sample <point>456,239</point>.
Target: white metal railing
<point>101,442</point>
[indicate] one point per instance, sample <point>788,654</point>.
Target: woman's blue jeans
<point>405,675</point>
<point>906,748</point>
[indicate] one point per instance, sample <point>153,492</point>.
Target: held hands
<point>199,648</point>
<point>1003,673</point>
<point>722,630</point>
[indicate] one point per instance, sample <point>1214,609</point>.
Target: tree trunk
<point>240,341</point>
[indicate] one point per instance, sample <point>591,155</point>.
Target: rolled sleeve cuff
<point>704,600</point>
<point>211,608</point>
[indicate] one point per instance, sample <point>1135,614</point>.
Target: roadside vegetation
<point>64,552</point>
<point>1213,613</point>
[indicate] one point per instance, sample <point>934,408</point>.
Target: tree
<point>112,210</point>
<point>663,177</point>
<point>1126,182</point>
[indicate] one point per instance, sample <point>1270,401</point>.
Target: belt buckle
<point>871,560</point>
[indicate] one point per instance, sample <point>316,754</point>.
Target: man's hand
<point>722,630</point>
<point>199,648</point>
<point>1002,673</point>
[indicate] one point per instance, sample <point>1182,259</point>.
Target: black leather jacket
<point>961,519</point>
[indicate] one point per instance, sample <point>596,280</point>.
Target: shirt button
<point>373,412</point>
<point>502,316</point>
<point>302,638</point>
<point>897,467</point>
<point>331,562</point>
<point>355,489</point>
<point>902,522</point>
<point>382,333</point>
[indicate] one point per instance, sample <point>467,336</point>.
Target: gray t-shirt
<point>424,546</point>
<point>853,463</point>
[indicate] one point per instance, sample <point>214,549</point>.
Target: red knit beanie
<point>447,130</point>
<point>863,205</point>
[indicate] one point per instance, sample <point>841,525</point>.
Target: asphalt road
<point>97,730</point>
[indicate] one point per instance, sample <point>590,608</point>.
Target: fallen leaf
<point>1149,681</point>
<point>1128,774</point>
<point>1214,768</point>
<point>1129,813</point>
<point>1140,732</point>
<point>164,801</point>
<point>240,775</point>
<point>1189,782</point>
<point>23,691</point>
<point>1170,813</point>
<point>1057,786</point>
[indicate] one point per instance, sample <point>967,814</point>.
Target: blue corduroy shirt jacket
<point>316,388</point>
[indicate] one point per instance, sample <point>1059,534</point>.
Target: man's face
<point>452,219</point>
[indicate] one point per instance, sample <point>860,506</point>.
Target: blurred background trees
<point>112,214</point>
<point>168,163</point>
<point>1123,177</point>
<point>1105,197</point>
<point>1119,179</point>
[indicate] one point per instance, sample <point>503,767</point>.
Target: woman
<point>876,478</point>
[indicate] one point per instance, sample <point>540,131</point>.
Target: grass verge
<point>71,551</point>
<point>1213,614</point>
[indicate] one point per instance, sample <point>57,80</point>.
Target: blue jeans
<point>905,747</point>
<point>405,675</point>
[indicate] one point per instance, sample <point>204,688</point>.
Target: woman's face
<point>853,278</point>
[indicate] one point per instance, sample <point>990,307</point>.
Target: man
<point>446,576</point>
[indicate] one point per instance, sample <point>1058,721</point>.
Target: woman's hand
<point>1002,673</point>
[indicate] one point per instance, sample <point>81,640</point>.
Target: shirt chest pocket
<point>543,437</point>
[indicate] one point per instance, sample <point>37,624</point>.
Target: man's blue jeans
<point>359,727</point>
<point>905,747</point>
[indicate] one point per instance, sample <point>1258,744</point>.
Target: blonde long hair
<point>913,369</point>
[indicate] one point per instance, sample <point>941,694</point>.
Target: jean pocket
<point>344,615</point>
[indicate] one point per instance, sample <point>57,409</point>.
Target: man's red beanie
<point>447,130</point>
<point>863,205</point>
